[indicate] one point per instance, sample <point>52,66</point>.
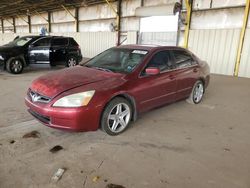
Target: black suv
<point>53,50</point>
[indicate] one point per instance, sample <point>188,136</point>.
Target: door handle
<point>195,70</point>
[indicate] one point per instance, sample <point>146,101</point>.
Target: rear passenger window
<point>60,41</point>
<point>42,42</point>
<point>183,59</point>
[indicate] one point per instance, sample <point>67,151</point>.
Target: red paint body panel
<point>147,92</point>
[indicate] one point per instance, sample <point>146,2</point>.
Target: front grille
<point>36,97</point>
<point>40,117</point>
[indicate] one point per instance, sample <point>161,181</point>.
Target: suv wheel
<point>14,66</point>
<point>71,61</point>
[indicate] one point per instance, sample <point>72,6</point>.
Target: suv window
<point>60,41</point>
<point>183,59</point>
<point>42,42</point>
<point>73,42</point>
<point>161,60</point>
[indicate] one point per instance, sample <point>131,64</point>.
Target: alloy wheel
<point>119,117</point>
<point>16,66</point>
<point>71,62</point>
<point>198,92</point>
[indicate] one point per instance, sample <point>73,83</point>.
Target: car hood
<point>8,48</point>
<point>55,83</point>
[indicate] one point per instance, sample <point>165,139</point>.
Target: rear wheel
<point>71,61</point>
<point>14,66</point>
<point>197,93</point>
<point>116,116</point>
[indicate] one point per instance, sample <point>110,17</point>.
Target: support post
<point>49,22</point>
<point>242,36</point>
<point>77,19</point>
<point>14,24</point>
<point>2,24</point>
<point>119,9</point>
<point>188,19</point>
<point>29,22</point>
<point>118,18</point>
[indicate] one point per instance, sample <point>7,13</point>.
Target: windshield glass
<point>117,60</point>
<point>21,41</point>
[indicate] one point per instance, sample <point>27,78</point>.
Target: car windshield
<point>21,41</point>
<point>117,60</point>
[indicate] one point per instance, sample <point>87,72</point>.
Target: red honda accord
<point>114,87</point>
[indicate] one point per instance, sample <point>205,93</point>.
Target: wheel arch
<point>130,99</point>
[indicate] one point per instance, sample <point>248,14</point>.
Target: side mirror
<point>152,71</point>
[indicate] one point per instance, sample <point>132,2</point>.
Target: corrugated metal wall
<point>158,38</point>
<point>217,46</point>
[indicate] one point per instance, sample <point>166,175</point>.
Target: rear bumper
<point>72,119</point>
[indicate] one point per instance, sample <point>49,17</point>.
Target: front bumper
<point>72,119</point>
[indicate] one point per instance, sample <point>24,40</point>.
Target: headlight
<point>75,100</point>
<point>1,57</point>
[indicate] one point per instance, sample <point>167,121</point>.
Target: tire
<point>116,116</point>
<point>71,61</point>
<point>197,93</point>
<point>14,66</point>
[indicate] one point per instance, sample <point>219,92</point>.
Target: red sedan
<point>114,87</point>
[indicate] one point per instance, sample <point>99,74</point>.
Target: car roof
<point>47,36</point>
<point>150,47</point>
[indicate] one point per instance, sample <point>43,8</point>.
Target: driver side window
<point>42,42</point>
<point>161,60</point>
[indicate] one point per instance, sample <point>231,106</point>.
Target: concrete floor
<point>180,145</point>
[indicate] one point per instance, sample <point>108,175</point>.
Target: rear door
<point>39,51</point>
<point>156,90</point>
<point>59,50</point>
<point>186,72</point>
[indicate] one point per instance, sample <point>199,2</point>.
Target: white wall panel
<point>158,2</point>
<point>205,4</point>
<point>62,16</point>
<point>97,12</point>
<point>22,29</point>
<point>244,70</point>
<point>129,6</point>
<point>21,22</point>
<point>92,43</point>
<point>132,37</point>
<point>158,38</point>
<point>130,24</point>
<point>96,26</point>
<point>38,19</point>
<point>8,23</point>
<point>63,27</point>
<point>217,47</point>
<point>227,3</point>
<point>216,19</point>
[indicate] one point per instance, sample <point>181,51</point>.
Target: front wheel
<point>14,66</point>
<point>71,61</point>
<point>116,116</point>
<point>197,93</point>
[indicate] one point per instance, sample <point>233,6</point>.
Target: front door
<point>156,90</point>
<point>39,51</point>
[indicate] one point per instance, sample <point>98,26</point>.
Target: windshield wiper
<point>103,69</point>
